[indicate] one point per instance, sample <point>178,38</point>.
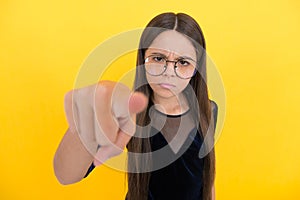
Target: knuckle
<point>112,137</point>
<point>104,88</point>
<point>107,135</point>
<point>116,151</point>
<point>68,96</point>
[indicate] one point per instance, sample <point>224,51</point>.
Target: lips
<point>166,85</point>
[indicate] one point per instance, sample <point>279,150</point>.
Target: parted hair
<point>138,183</point>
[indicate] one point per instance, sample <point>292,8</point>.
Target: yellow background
<point>254,43</point>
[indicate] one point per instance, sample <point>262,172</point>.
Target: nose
<point>170,68</point>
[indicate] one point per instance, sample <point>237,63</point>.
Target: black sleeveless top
<point>181,177</point>
<point>178,169</point>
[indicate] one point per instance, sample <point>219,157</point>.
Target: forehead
<point>173,42</point>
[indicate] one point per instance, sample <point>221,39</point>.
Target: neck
<point>174,105</point>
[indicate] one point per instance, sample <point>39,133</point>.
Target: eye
<point>183,62</point>
<point>158,59</point>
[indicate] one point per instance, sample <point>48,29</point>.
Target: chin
<point>163,93</point>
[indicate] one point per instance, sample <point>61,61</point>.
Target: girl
<point>171,154</point>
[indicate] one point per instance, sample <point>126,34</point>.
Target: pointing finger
<point>137,102</point>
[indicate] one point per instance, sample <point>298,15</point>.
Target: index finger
<point>126,107</point>
<point>116,107</point>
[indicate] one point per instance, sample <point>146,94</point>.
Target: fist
<point>104,117</point>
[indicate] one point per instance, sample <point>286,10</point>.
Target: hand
<point>103,114</point>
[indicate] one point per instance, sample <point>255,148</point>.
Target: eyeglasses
<point>156,65</point>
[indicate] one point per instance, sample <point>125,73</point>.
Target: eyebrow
<point>180,57</point>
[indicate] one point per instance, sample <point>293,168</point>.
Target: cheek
<point>182,84</point>
<point>152,79</point>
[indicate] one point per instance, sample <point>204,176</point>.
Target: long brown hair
<point>138,183</point>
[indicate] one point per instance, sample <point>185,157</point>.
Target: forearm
<point>72,159</point>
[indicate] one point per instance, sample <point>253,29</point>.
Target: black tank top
<point>176,145</point>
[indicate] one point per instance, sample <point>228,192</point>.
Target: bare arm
<point>72,159</point>
<point>99,115</point>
